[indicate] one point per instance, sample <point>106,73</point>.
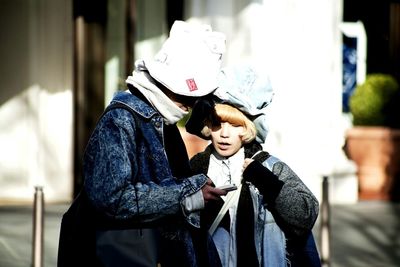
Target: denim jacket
<point>127,173</point>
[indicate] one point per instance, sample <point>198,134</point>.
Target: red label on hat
<point>191,84</point>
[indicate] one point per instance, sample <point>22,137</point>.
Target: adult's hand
<point>210,192</point>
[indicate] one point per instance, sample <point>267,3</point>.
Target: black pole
<point>175,10</point>
<point>325,224</point>
<point>90,19</point>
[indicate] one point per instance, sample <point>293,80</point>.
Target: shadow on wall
<point>395,189</point>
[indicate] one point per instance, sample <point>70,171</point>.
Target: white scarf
<point>145,84</point>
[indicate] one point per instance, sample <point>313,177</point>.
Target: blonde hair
<point>232,115</point>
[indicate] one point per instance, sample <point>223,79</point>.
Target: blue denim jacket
<point>126,169</point>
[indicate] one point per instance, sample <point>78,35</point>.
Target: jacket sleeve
<point>294,206</point>
<point>111,169</point>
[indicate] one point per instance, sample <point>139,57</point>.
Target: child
<point>271,204</point>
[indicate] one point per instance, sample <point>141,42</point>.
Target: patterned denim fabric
<point>126,169</point>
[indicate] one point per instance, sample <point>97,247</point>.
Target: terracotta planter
<point>376,152</point>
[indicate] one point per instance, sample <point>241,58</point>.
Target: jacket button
<point>158,124</point>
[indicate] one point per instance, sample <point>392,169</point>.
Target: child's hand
<point>247,162</point>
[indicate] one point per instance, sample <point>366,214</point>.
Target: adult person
<point>268,219</point>
<point>140,202</point>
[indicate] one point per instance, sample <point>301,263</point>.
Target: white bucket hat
<point>190,60</point>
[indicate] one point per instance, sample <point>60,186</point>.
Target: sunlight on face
<point>226,138</point>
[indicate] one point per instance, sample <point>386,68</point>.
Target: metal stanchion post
<point>325,224</point>
<point>38,222</point>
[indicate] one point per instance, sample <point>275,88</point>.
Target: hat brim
<point>203,110</point>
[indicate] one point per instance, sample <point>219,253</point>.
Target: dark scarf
<point>246,248</point>
<point>206,253</point>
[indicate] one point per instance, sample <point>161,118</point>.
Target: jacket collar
<point>136,102</point>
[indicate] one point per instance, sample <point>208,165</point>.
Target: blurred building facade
<point>62,60</point>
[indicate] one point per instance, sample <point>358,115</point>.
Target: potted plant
<point>374,141</point>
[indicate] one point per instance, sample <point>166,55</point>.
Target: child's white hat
<point>249,89</point>
<point>243,86</point>
<point>190,60</point>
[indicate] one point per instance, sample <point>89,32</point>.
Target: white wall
<point>36,57</point>
<point>151,32</point>
<point>35,99</point>
<point>299,44</point>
